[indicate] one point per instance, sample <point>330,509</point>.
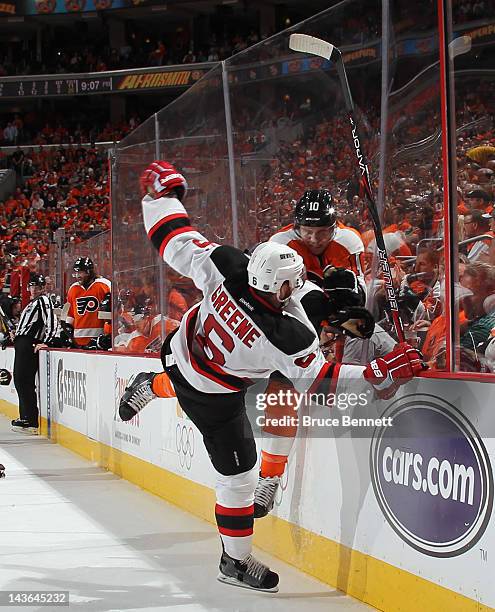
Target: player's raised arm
<point>168,226</point>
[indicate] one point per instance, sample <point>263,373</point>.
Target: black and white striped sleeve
<point>49,319</point>
<point>28,320</point>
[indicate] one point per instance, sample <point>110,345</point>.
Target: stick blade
<point>459,46</point>
<point>309,44</point>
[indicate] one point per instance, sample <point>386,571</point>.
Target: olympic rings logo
<point>184,443</point>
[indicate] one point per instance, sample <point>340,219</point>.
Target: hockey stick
<point>304,43</point>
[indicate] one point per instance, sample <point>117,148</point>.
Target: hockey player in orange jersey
<point>84,297</point>
<point>320,239</point>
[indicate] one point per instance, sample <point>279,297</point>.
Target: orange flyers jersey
<point>177,304</point>
<point>83,309</point>
<point>169,325</point>
<point>345,250</point>
<point>140,343</point>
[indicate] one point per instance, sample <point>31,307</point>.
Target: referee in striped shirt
<point>36,328</point>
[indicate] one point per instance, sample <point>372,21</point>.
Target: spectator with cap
<point>478,199</point>
<point>36,329</point>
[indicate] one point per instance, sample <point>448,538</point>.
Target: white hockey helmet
<point>272,264</point>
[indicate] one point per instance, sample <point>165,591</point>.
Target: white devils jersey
<point>233,336</point>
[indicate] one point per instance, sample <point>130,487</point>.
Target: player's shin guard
<point>234,512</point>
<point>280,428</point>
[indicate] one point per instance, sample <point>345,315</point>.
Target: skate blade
<point>25,430</point>
<point>234,582</point>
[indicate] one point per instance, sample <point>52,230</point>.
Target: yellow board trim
<point>361,576</point>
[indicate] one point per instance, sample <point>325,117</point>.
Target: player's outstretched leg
<point>138,394</point>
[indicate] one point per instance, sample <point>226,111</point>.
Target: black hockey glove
<point>342,288</point>
<point>91,346</point>
<point>354,321</point>
<point>104,342</point>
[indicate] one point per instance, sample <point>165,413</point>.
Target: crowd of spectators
<point>67,188</point>
<point>18,129</point>
<point>413,216</point>
<point>78,54</point>
<point>142,49</point>
<point>64,187</point>
<point>138,52</point>
<point>470,10</point>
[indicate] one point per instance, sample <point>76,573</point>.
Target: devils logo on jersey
<point>86,304</point>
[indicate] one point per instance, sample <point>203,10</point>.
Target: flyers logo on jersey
<point>86,304</point>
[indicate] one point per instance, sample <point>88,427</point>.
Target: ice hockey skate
<point>24,426</point>
<point>137,395</point>
<point>264,496</point>
<point>248,574</point>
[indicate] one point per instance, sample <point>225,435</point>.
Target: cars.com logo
<point>432,476</point>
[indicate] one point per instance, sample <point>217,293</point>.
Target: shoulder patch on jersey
<point>284,236</point>
<point>104,281</point>
<point>291,336</point>
<point>229,261</point>
<point>348,238</point>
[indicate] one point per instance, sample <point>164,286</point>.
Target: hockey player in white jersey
<point>246,327</point>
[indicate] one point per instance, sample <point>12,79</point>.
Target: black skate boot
<point>2,470</point>
<point>248,573</point>
<point>24,426</point>
<point>137,395</point>
<point>264,496</point>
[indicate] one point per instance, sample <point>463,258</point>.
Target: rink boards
<point>401,519</point>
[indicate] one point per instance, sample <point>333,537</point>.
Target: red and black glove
<point>160,178</point>
<point>396,368</point>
